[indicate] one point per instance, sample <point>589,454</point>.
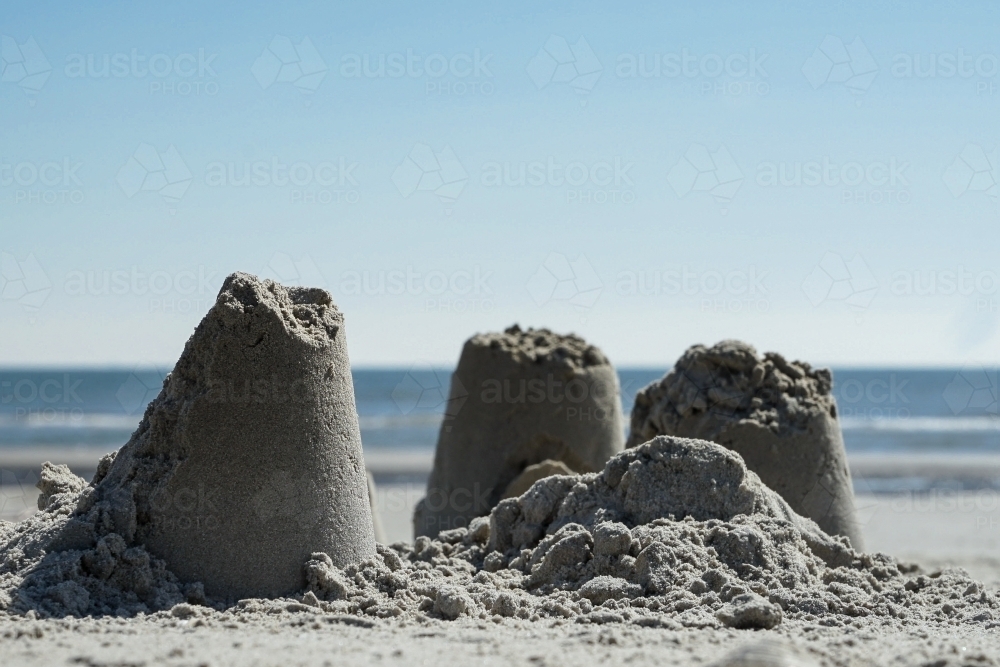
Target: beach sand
<point>936,529</point>
<point>297,635</point>
<point>306,638</point>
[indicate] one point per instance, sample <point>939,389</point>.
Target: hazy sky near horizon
<point>817,180</point>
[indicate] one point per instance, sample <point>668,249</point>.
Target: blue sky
<point>834,200</point>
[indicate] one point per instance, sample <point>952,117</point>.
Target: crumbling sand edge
<point>779,415</point>
<point>720,550</point>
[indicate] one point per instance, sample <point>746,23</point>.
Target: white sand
<point>935,534</point>
<point>936,530</point>
<point>302,638</point>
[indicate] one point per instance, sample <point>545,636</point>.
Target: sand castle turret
<point>528,398</point>
<point>778,415</point>
<point>250,458</point>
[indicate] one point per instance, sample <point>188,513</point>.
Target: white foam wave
<point>922,424</point>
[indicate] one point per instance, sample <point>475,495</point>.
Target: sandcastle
<point>245,478</point>
<point>529,397</point>
<point>778,415</point>
<point>250,458</point>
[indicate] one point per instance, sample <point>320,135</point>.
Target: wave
<point>130,422</point>
<point>984,424</point>
<point>69,419</point>
<point>414,420</point>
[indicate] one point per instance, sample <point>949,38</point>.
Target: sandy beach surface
<point>936,528</point>
<point>307,638</point>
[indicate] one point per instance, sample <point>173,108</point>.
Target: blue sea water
<point>881,410</point>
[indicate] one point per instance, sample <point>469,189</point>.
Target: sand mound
<point>71,557</point>
<point>674,532</point>
<point>778,415</point>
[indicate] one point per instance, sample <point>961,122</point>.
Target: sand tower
<point>527,398</point>
<point>250,458</point>
<point>778,415</point>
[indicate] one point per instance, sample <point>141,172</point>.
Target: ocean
<point>882,411</point>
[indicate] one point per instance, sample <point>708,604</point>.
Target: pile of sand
<point>674,532</point>
<point>778,415</point>
<point>675,535</point>
<point>71,558</point>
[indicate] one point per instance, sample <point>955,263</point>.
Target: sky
<point>819,181</point>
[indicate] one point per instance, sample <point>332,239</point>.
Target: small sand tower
<point>250,458</point>
<point>778,415</point>
<point>531,397</point>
